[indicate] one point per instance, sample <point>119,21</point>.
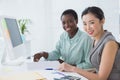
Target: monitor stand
<point>6,60</point>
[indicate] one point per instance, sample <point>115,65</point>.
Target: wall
<point>45,15</point>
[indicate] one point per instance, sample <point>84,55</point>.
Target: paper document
<point>43,65</point>
<point>23,76</point>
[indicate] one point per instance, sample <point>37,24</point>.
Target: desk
<point>48,74</point>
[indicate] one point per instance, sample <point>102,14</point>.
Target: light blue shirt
<point>74,51</point>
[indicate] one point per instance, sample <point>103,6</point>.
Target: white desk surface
<point>48,74</point>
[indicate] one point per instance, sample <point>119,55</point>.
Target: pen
<point>49,69</point>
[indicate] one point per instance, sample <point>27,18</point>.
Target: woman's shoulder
<point>109,39</point>
<point>108,36</point>
<point>112,43</point>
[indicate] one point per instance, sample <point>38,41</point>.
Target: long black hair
<point>94,10</point>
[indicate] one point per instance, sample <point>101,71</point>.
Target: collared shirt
<point>74,51</point>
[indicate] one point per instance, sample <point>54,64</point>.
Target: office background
<point>45,16</point>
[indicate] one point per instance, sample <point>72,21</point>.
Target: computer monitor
<point>14,45</point>
<point>14,32</point>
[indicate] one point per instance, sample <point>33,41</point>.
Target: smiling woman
<point>105,50</point>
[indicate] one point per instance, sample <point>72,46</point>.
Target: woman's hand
<point>66,67</point>
<point>39,55</point>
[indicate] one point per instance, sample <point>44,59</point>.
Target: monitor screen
<point>13,31</point>
<point>14,45</point>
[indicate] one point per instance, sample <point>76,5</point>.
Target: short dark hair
<point>95,11</point>
<point>71,12</point>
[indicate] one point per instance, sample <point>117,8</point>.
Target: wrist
<point>45,55</point>
<point>74,69</point>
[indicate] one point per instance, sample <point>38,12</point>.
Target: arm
<point>108,57</point>
<point>86,49</point>
<point>55,54</point>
